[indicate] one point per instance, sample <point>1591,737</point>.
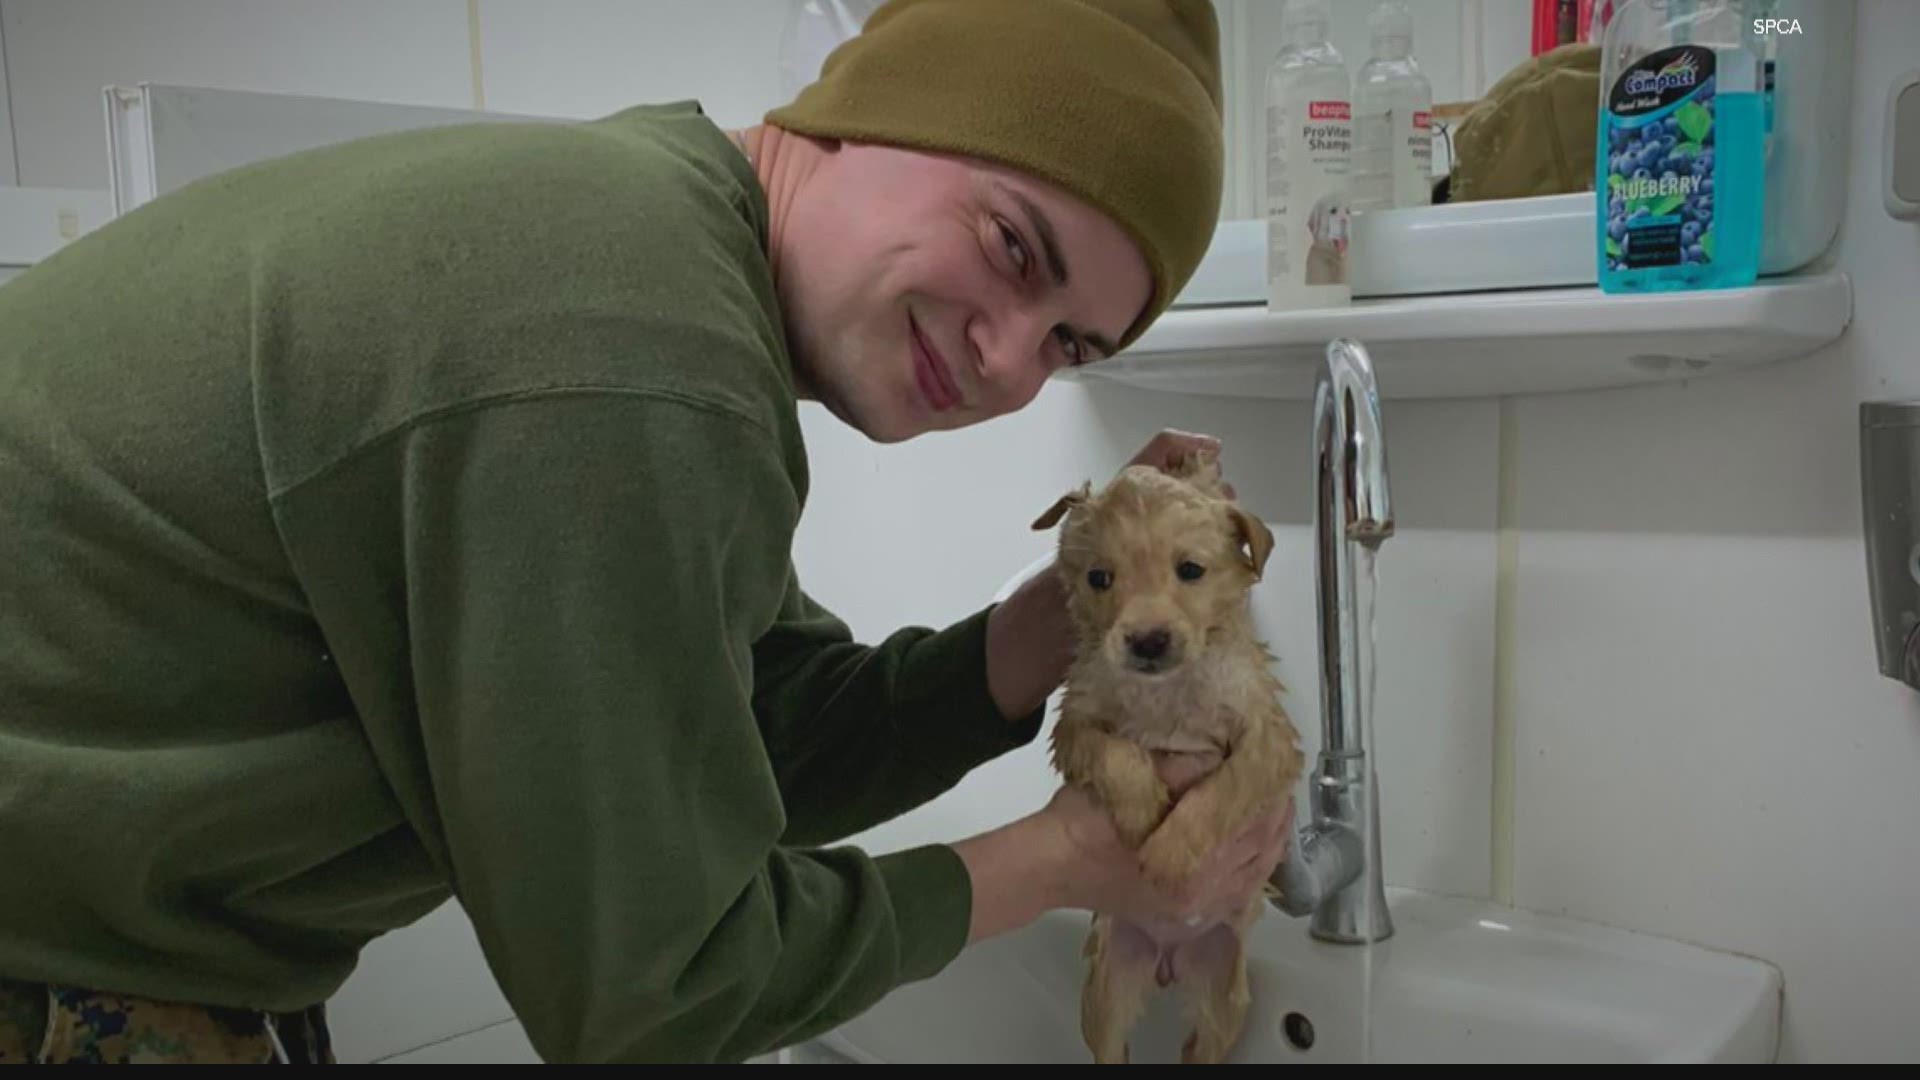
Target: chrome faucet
<point>1324,874</point>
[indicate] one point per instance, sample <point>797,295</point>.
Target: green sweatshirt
<point>412,519</point>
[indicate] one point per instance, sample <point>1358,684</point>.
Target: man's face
<point>925,292</point>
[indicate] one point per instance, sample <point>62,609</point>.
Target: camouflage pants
<point>55,1025</point>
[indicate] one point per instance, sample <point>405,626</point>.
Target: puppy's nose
<point>1151,645</point>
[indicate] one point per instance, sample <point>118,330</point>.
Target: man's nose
<point>1014,354</point>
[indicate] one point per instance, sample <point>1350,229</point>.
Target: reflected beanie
<point>1114,101</point>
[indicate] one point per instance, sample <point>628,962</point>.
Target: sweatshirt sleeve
<point>546,612</point>
<point>862,734</point>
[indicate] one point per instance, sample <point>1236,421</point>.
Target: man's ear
<point>1065,503</point>
<point>1253,533</point>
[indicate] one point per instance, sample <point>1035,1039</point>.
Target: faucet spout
<point>1351,506</point>
<point>1350,455</point>
<point>1325,873</point>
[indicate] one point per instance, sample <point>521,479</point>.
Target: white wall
<point>1703,747</point>
<point>61,52</point>
<point>593,57</point>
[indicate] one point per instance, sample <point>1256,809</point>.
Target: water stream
<point>1367,650</point>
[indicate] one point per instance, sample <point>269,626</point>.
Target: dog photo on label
<point>1158,568</point>
<point>1328,224</point>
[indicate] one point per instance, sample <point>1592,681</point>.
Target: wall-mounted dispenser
<point>1889,473</point>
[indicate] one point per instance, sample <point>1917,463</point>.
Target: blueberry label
<point>1661,78</point>
<point>1658,161</point>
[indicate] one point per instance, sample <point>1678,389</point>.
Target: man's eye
<point>1016,248</point>
<point>1070,344</point>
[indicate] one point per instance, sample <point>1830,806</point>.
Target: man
<point>412,519</point>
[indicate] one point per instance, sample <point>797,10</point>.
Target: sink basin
<point>1460,980</point>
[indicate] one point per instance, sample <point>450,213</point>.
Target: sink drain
<point>1299,1031</point>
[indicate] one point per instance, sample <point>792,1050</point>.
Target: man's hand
<point>1106,876</point>
<point>1069,855</point>
<point>1169,446</point>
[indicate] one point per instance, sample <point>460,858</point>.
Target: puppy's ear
<point>1253,533</point>
<point>1065,503</point>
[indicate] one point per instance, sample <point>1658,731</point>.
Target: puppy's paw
<point>1168,859</point>
<point>1136,820</point>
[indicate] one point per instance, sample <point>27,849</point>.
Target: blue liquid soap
<point>1680,171</point>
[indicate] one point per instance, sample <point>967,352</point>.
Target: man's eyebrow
<point>1050,246</point>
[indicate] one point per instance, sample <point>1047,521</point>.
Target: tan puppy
<point>1158,567</point>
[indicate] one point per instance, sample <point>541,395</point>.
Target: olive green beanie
<point>1533,131</point>
<point>1114,101</point>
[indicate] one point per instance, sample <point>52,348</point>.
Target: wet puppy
<point>1158,567</point>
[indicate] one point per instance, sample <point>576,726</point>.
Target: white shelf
<point>1490,344</point>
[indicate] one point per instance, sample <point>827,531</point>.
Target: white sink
<point>1460,981</point>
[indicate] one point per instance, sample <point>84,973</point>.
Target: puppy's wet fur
<point>1158,567</point>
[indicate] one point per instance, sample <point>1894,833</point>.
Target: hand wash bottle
<point>1680,170</point>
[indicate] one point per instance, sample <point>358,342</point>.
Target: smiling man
<point>963,268</point>
<point>411,519</point>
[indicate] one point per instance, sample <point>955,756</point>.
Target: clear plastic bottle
<point>1679,158</point>
<point>1309,158</point>
<point>1392,118</point>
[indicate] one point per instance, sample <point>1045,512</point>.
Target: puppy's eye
<point>1190,570</point>
<point>1099,579</point>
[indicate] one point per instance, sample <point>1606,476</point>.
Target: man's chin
<point>878,424</point>
<point>890,431</point>
<point>898,426</point>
